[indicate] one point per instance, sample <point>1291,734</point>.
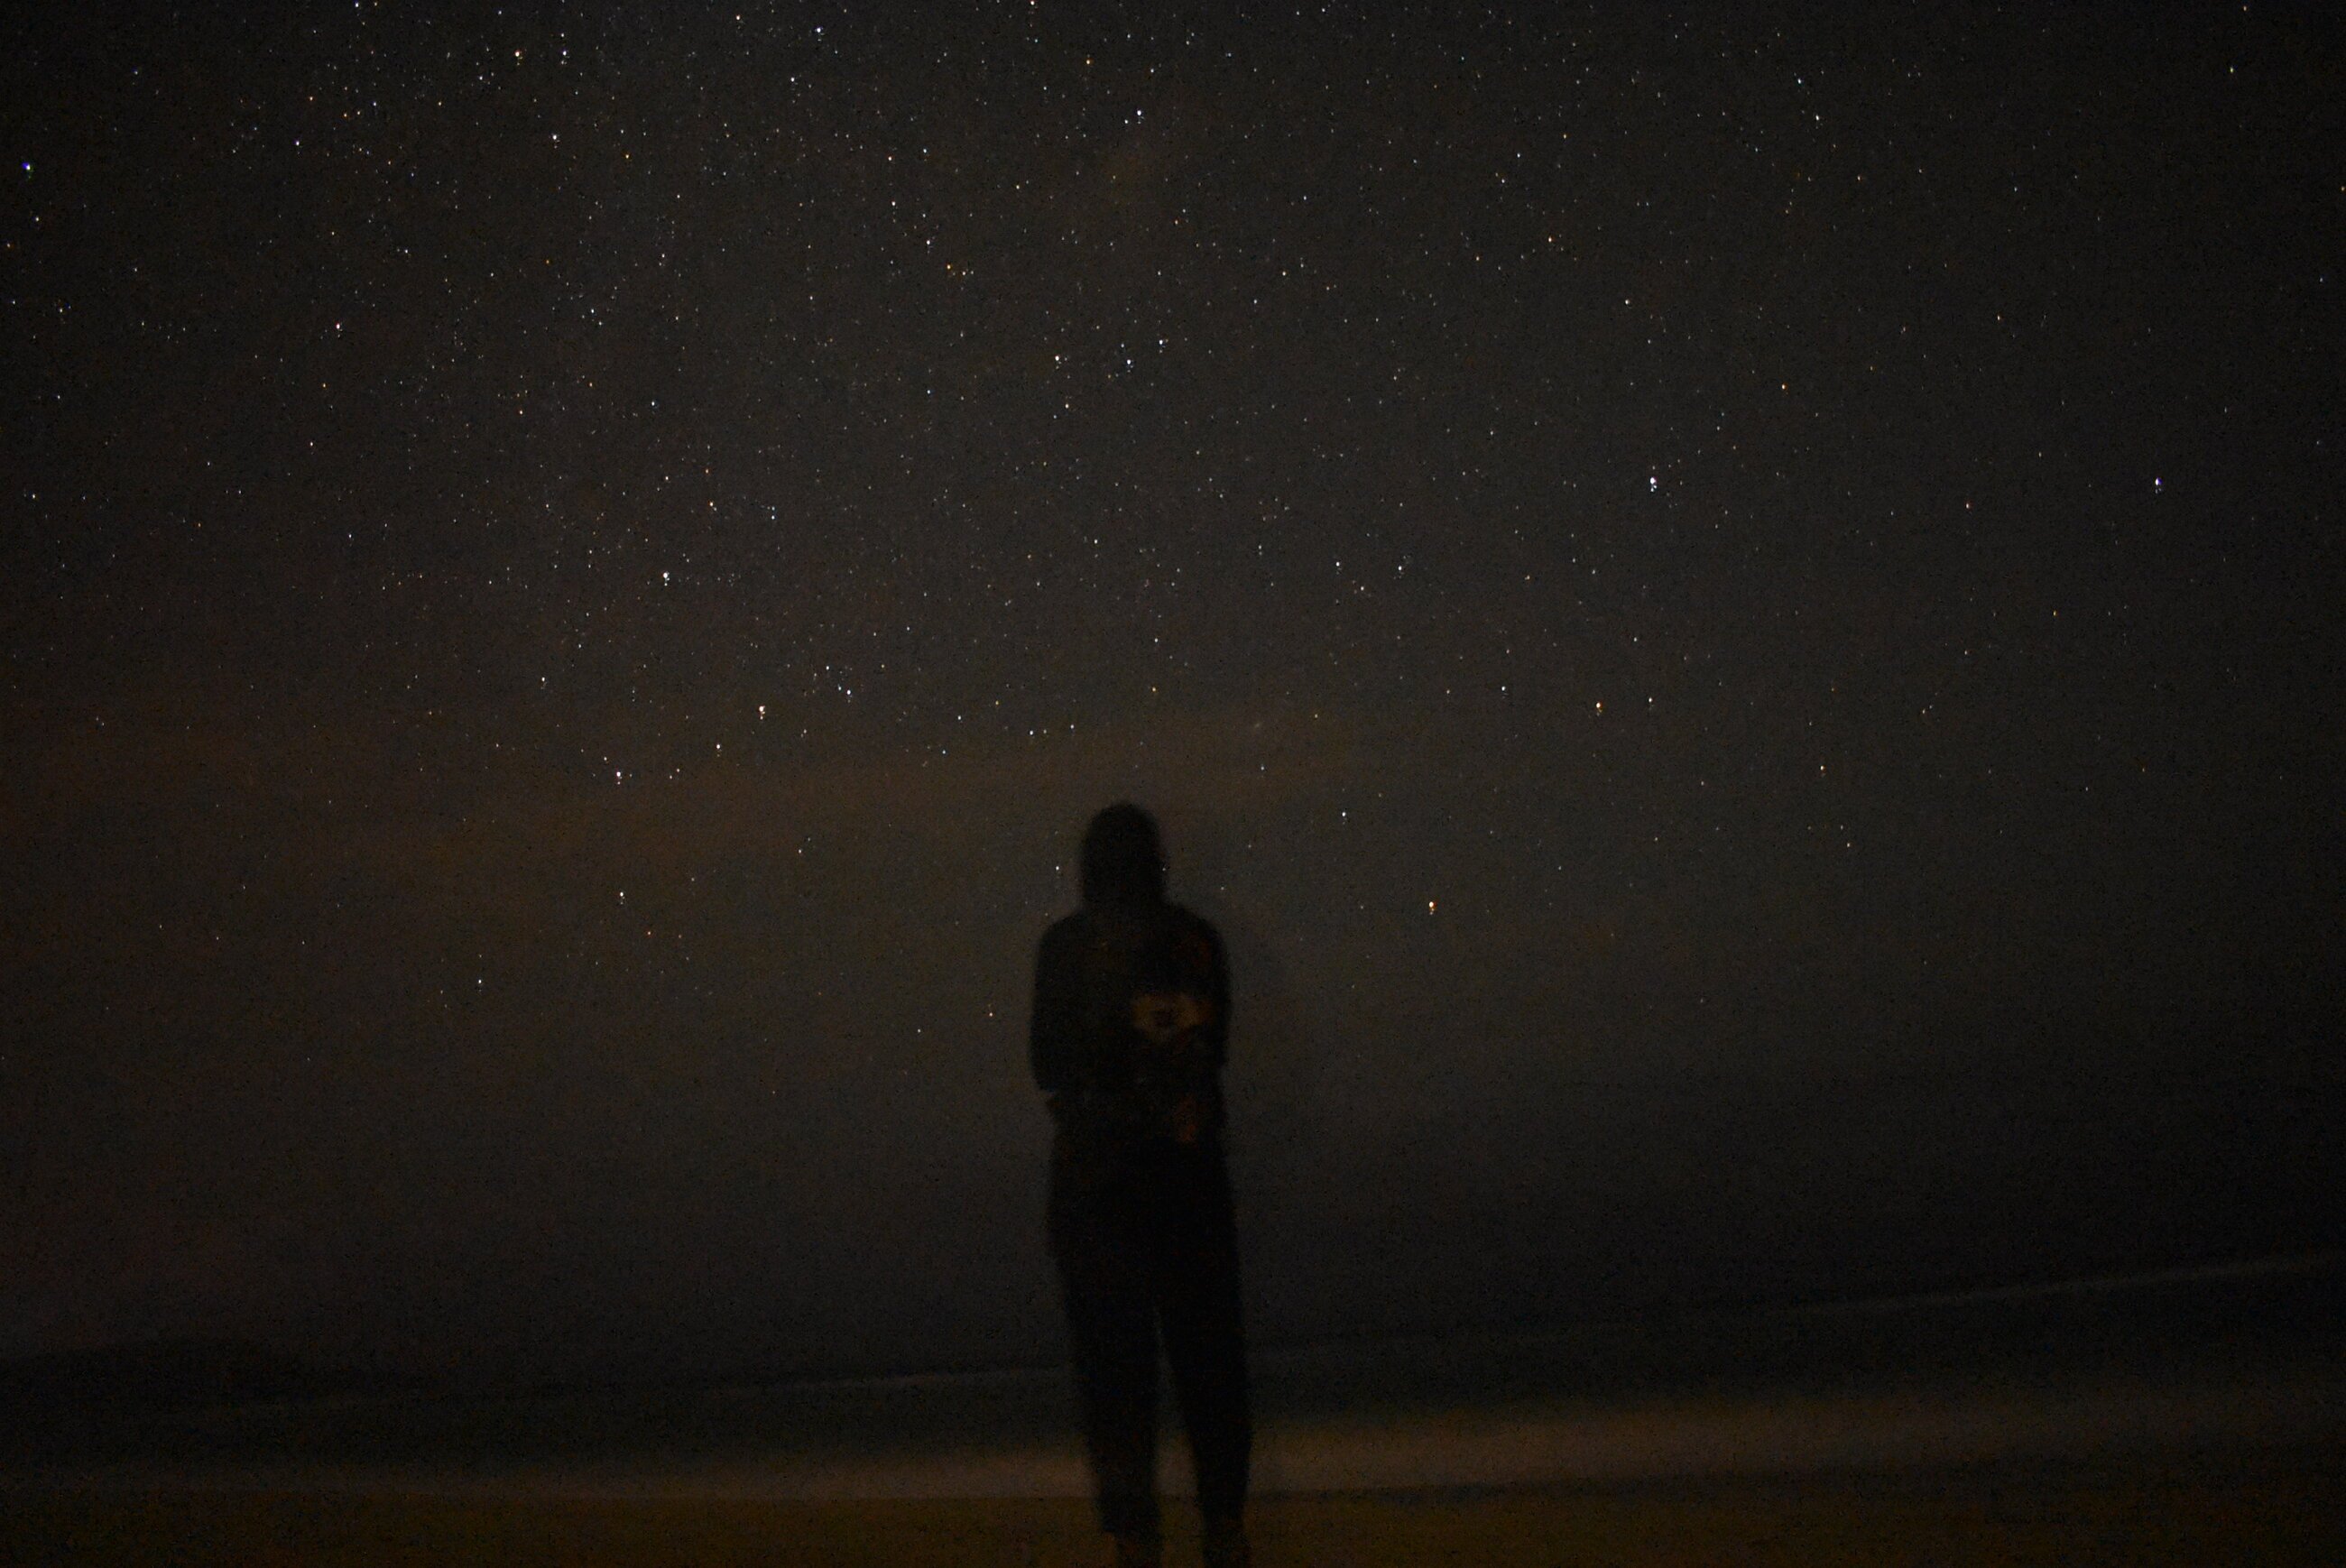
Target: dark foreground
<point>2191,1418</point>
<point>2204,1509</point>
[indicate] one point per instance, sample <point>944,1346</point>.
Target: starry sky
<point>1733,615</point>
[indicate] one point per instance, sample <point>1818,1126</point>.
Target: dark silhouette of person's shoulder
<point>1067,931</point>
<point>1188,919</point>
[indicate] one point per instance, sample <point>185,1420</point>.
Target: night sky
<point>1735,618</point>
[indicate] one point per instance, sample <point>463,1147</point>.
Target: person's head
<point>1124,860</point>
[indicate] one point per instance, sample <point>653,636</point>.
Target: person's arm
<point>1051,1028</point>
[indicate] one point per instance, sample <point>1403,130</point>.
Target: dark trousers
<point>1147,1244</point>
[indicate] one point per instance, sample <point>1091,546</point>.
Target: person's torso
<point>1148,1051</point>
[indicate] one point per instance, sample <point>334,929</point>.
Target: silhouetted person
<point>1132,1006</point>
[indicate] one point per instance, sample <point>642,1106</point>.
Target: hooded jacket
<point>1131,1020</point>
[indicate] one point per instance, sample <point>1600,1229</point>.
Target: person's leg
<point>1205,1341</point>
<point>1112,1330</point>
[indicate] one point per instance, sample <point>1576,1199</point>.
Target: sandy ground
<point>2202,1511</point>
<point>2216,1472</point>
<point>1570,1444</point>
